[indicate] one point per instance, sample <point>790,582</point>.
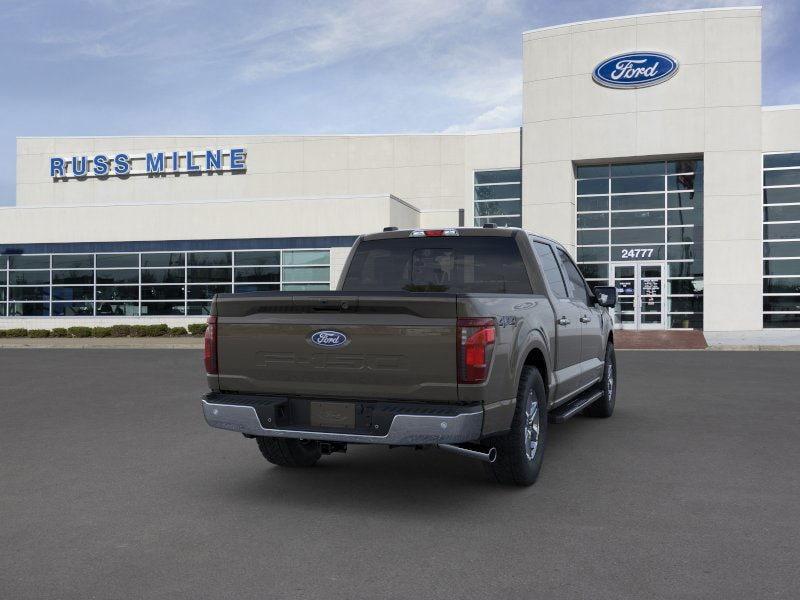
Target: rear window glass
<point>490,265</point>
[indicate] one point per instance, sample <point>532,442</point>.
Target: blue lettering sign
<point>122,163</point>
<point>213,160</point>
<point>79,166</point>
<point>100,163</point>
<point>154,163</point>
<point>56,167</point>
<point>635,70</point>
<point>190,166</point>
<point>122,166</point>
<point>237,159</point>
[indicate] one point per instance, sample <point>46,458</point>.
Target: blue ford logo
<point>329,339</point>
<point>635,70</point>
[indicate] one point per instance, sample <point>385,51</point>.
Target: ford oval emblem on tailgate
<point>328,339</point>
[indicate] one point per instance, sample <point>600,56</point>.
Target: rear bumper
<point>460,424</point>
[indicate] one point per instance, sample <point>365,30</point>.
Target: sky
<point>172,67</point>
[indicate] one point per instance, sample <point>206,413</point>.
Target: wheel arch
<point>537,355</point>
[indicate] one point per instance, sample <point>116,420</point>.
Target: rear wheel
<point>289,453</point>
<point>520,451</point>
<point>603,407</point>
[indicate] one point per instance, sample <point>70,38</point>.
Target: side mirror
<point>606,295</point>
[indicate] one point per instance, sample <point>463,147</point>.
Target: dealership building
<point>644,149</point>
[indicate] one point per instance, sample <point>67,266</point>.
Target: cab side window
<point>550,269</point>
<point>574,278</point>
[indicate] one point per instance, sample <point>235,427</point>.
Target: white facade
<point>322,190</point>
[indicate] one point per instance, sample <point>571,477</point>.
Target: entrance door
<point>640,293</point>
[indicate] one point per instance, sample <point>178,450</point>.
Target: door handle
<point>586,319</point>
<point>563,321</point>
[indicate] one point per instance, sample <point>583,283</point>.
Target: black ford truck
<point>467,339</point>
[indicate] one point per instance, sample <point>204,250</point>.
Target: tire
<point>603,407</point>
<point>289,453</point>
<point>518,459</point>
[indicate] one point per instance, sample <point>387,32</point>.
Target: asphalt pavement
<point>112,486</point>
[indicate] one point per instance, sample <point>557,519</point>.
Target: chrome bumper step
<point>405,429</point>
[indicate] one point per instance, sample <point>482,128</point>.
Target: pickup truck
<point>467,339</point>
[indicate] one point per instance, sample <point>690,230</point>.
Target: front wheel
<point>520,451</point>
<point>289,453</point>
<point>603,407</point>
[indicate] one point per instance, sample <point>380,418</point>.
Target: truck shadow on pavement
<point>398,480</point>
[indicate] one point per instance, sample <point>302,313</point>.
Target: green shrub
<point>138,330</point>
<point>157,330</point>
<point>101,332</point>
<point>80,332</point>
<point>38,333</point>
<point>120,330</point>
<point>17,332</point>
<point>197,328</point>
<point>2,333</point>
<point>59,332</point>
<point>177,331</point>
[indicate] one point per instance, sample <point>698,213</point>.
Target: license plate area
<point>339,415</point>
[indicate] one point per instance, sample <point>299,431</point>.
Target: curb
<point>720,348</point>
<point>755,347</point>
<point>164,343</point>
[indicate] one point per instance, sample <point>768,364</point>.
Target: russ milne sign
<point>151,163</point>
<point>635,70</point>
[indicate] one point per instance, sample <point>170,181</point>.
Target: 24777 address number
<point>637,252</point>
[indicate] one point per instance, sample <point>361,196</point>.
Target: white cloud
<point>497,117</point>
<point>334,34</point>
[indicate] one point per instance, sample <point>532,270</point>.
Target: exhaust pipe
<point>490,456</point>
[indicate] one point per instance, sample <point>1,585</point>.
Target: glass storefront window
<point>209,275</point>
<point>73,261</point>
<point>497,198</point>
<point>150,283</point>
<point>305,257</point>
<point>206,292</point>
<point>781,248</point>
<point>242,274</point>
<point>66,277</point>
<point>163,292</point>
<point>259,258</point>
<point>209,259</point>
<point>28,309</point>
<point>163,309</point>
<point>645,212</point>
<point>29,277</point>
<point>31,261</point>
<point>117,292</point>
<point>73,309</point>
<point>163,275</point>
<point>163,259</point>
<point>305,287</point>
<point>116,261</point>
<point>309,274</point>
<point>118,309</point>
<point>117,276</point>
<point>29,293</point>
<point>77,292</point>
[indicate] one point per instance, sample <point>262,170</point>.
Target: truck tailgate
<point>397,346</point>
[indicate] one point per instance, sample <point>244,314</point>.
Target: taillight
<point>210,349</point>
<point>475,346</point>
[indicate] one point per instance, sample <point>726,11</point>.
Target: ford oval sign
<point>328,339</point>
<point>635,70</point>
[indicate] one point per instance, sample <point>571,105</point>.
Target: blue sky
<point>152,67</point>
